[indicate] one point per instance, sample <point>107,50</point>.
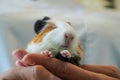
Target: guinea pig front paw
<point>66,54</point>
<point>47,53</point>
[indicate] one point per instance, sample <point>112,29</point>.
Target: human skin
<point>65,70</point>
<point>28,73</point>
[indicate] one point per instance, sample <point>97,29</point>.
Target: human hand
<point>67,71</point>
<point>28,73</point>
<point>36,72</point>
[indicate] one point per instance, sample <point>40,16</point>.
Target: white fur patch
<point>55,38</point>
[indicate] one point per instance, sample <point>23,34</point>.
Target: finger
<point>62,69</point>
<point>43,74</point>
<point>28,73</point>
<point>107,70</point>
<point>20,63</point>
<point>19,53</point>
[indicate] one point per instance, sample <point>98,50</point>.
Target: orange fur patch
<point>79,50</point>
<point>38,38</point>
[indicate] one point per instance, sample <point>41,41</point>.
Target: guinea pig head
<point>54,35</point>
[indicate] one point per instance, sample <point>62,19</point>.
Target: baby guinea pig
<point>57,39</point>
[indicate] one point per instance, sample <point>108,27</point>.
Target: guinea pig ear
<point>39,25</point>
<point>45,18</point>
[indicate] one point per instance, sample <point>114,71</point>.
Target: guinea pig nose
<point>68,39</point>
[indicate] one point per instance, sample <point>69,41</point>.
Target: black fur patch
<point>74,60</point>
<point>39,24</point>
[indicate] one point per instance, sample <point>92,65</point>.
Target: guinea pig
<point>56,38</point>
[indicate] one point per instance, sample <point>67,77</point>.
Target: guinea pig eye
<point>39,25</point>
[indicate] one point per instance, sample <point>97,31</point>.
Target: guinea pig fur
<point>57,38</point>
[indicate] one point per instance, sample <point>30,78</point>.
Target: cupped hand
<point>65,70</point>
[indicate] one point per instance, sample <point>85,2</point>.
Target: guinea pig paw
<point>47,53</point>
<point>65,53</point>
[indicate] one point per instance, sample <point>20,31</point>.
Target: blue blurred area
<point>13,36</point>
<point>4,57</point>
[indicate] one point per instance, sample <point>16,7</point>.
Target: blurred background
<point>96,23</point>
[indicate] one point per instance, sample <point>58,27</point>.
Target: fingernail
<point>19,53</point>
<point>19,63</point>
